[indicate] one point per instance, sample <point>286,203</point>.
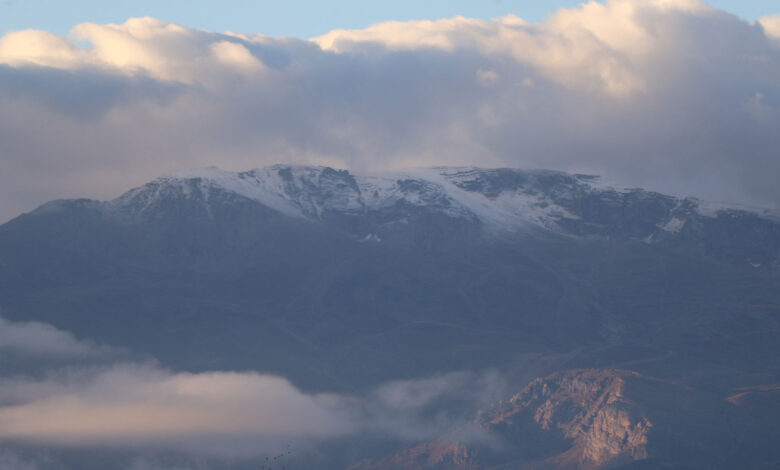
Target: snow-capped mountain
<point>503,199</point>
<point>377,207</point>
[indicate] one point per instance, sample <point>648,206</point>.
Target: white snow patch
<point>510,209</point>
<point>371,237</point>
<point>674,225</point>
<point>712,209</point>
<point>601,184</point>
<point>266,188</point>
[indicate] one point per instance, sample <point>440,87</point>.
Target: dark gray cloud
<point>672,94</point>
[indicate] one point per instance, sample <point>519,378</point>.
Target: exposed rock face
<point>588,408</point>
<point>591,419</point>
<point>578,419</point>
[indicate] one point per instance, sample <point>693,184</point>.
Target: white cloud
<point>40,339</point>
<point>235,54</point>
<point>659,93</point>
<point>32,47</point>
<point>163,50</point>
<point>431,407</point>
<point>566,50</point>
<point>130,404</point>
<point>228,414</point>
<point>771,25</point>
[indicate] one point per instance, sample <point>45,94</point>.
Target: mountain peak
<point>462,201</point>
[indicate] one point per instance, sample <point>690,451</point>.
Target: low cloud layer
<point>129,404</point>
<point>135,405</point>
<point>432,407</point>
<point>670,94</point>
<point>82,396</point>
<point>41,340</point>
<point>70,394</point>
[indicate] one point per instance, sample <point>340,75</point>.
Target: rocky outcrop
<point>588,408</point>
<point>577,419</point>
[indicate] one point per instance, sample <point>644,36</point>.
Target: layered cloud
<point>671,94</point>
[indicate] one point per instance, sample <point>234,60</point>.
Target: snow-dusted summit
<point>496,199</point>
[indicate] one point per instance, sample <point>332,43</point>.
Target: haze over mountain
<point>648,322</point>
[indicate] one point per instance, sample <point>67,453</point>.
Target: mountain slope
<point>343,281</point>
<point>285,259</point>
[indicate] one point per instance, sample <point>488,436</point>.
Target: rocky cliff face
<point>578,419</point>
<point>591,419</point>
<point>585,407</point>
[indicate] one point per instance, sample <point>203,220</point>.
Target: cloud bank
<point>78,396</point>
<point>227,414</point>
<point>670,94</point>
<point>141,404</point>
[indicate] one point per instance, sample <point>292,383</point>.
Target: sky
<point>679,96</point>
<point>276,18</point>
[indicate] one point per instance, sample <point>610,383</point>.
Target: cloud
<point>19,48</point>
<point>472,391</point>
<point>227,414</point>
<point>132,404</point>
<point>569,51</point>
<point>147,410</point>
<point>674,95</point>
<point>40,339</point>
<point>432,407</point>
<point>771,25</point>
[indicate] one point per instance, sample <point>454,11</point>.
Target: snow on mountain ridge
<point>203,181</point>
<point>499,198</point>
